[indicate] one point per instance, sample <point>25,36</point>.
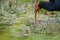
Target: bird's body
<point>52,5</point>
<point>51,0</point>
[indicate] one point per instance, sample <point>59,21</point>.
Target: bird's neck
<point>43,5</point>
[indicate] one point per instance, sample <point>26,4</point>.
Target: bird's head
<point>37,7</point>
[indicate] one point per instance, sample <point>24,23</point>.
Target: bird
<point>52,5</point>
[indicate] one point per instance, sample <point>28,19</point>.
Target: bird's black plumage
<point>51,0</point>
<point>52,5</point>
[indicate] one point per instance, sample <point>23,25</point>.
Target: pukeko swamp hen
<point>52,5</point>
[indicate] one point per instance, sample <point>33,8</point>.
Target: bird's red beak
<point>37,7</point>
